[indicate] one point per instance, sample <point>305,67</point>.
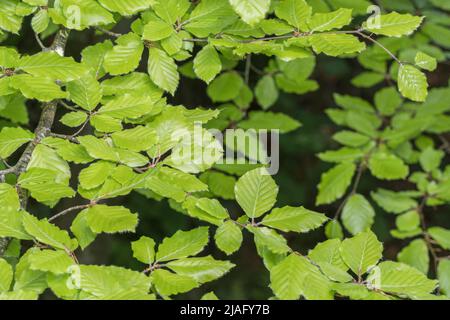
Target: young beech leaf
<point>335,182</point>
<point>399,278</point>
<point>357,215</point>
<point>266,92</point>
<point>203,269</point>
<point>362,252</point>
<point>57,262</point>
<point>228,237</point>
<point>256,192</point>
<point>416,255</point>
<point>163,70</point>
<point>296,12</point>
<point>108,219</point>
<point>182,244</point>
<point>11,139</point>
<point>441,235</point>
<point>207,64</point>
<point>387,166</point>
<point>251,11</point>
<point>144,250</point>
<point>168,283</point>
<point>393,24</point>
<point>412,83</point>
<point>294,219</point>
<point>45,232</point>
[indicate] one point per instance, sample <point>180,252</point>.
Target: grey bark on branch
<point>42,130</point>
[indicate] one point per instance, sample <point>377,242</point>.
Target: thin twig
<point>110,33</point>
<point>426,236</point>
<point>248,64</point>
<point>64,136</point>
<point>380,45</point>
<point>64,212</point>
<point>39,41</point>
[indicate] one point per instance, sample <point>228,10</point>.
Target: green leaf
<point>270,239</point>
<point>94,56</point>
<point>357,215</point>
<point>387,166</point>
<point>13,138</point>
<point>328,252</point>
<point>9,57</point>
<point>387,100</point>
<point>393,24</point>
<point>52,65</point>
<point>361,252</point>
<point>80,228</point>
<point>168,283</point>
<point>329,21</point>
<point>444,276</point>
<point>367,79</point>
<point>333,230</point>
<point>226,87</point>
<point>183,244</point>
<point>412,83</point>
<point>40,88</point>
<point>57,262</point>
<point>430,159</point>
<point>204,269</point>
<point>85,92</point>
<point>393,202</point>
<point>207,64</point>
<point>74,119</point>
<point>209,296</point>
<point>296,12</point>
<point>135,84</point>
<point>256,192</point>
<point>441,235</point>
<point>127,106</point>
<point>350,138</point>
<point>26,279</point>
<point>40,21</point>
<point>416,255</point>
<point>45,232</point>
<point>287,277</point>
<point>297,219</point>
<point>108,219</point>
<point>156,30</point>
<point>295,276</point>
<point>163,70</point>
<point>228,237</point>
<point>335,182</point>
<point>95,175</point>
<point>408,221</point>
<point>336,44</point>
<point>137,139</point>
<point>171,10</point>
<point>98,148</point>
<point>102,281</point>
<point>210,17</point>
<point>127,8</point>
<point>125,56</point>
<point>399,278</point>
<point>266,92</point>
<point>251,11</point>
<point>144,250</point>
<point>6,275</point>
<point>424,61</point>
<point>270,121</point>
